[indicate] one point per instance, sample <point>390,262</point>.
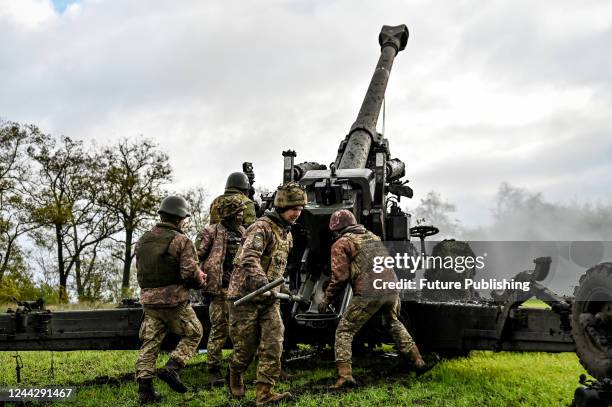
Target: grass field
<point>105,378</point>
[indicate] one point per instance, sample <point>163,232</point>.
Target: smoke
<point>522,215</point>
<point>526,216</point>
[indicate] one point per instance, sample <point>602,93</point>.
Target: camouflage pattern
<point>231,206</point>
<point>212,245</point>
<point>262,257</point>
<point>217,203</point>
<point>358,312</point>
<point>257,328</point>
<point>180,248</point>
<point>157,322</point>
<point>352,263</point>
<point>218,311</point>
<point>341,219</point>
<point>289,195</point>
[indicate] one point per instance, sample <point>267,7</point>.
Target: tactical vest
<point>274,259</point>
<point>249,211</point>
<point>361,272</point>
<point>156,267</point>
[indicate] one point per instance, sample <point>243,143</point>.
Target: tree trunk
<point>127,260</point>
<point>5,258</point>
<point>77,264</point>
<point>63,277</point>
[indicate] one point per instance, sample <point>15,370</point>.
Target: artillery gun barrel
<point>260,291</point>
<point>392,40</point>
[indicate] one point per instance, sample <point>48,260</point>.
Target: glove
<point>323,306</point>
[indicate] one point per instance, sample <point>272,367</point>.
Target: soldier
<point>351,260</point>
<point>237,185</point>
<point>167,267</point>
<point>218,246</point>
<point>257,325</point>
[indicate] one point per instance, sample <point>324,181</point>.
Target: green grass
<point>535,303</point>
<point>104,378</point>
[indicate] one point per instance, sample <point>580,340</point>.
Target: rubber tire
<point>595,283</point>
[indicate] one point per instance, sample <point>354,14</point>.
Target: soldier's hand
<point>323,306</point>
<point>201,278</point>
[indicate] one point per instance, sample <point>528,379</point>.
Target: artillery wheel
<point>592,334</point>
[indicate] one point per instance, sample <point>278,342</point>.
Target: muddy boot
<point>265,394</point>
<point>236,384</point>
<point>345,377</point>
<point>169,374</point>
<point>419,364</point>
<point>215,377</point>
<point>146,392</point>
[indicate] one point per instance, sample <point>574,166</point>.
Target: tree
<point>14,173</point>
<point>197,198</point>
<point>434,211</point>
<point>134,173</point>
<point>63,199</point>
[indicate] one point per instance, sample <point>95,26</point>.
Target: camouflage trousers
<point>256,327</point>
<point>157,322</point>
<point>218,311</point>
<point>358,312</point>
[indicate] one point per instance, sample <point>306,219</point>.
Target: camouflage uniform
<point>216,250</point>
<point>166,254</point>
<point>217,203</point>
<point>257,325</point>
<point>352,261</point>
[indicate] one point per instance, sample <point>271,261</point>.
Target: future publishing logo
<point>458,264</point>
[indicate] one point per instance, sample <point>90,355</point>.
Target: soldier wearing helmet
<point>262,258</point>
<point>167,266</point>
<point>217,245</point>
<point>237,185</point>
<point>352,259</point>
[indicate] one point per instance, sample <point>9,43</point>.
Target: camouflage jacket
<point>249,211</point>
<point>211,252</point>
<point>352,262</point>
<point>180,248</point>
<point>262,257</point>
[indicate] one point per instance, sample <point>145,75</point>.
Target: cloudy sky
<point>485,92</point>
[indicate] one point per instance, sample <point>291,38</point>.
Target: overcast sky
<point>485,92</point>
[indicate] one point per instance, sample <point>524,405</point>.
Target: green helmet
<point>238,180</point>
<point>231,206</point>
<point>289,195</point>
<point>174,205</point>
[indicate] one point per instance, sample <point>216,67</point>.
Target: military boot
<point>215,377</point>
<point>419,364</point>
<point>146,392</point>
<point>169,374</point>
<point>264,394</point>
<point>345,377</point>
<point>236,384</point>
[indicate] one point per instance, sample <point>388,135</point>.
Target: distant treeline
<point>70,213</point>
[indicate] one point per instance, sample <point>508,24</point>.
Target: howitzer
<point>365,179</point>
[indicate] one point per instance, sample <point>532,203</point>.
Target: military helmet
<point>231,206</point>
<point>289,195</point>
<point>238,180</point>
<point>174,205</point>
<point>341,219</point>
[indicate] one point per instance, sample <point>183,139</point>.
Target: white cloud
<point>483,93</point>
<point>28,14</point>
